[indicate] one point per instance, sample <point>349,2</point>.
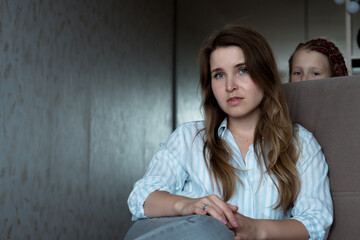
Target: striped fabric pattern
<point>179,168</point>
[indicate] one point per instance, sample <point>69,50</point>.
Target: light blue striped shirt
<point>179,168</point>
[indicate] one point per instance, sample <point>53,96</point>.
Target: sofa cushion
<point>330,109</point>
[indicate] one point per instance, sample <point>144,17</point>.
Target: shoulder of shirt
<point>196,125</point>
<point>189,130</point>
<point>185,132</point>
<point>303,133</point>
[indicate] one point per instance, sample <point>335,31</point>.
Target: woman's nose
<point>231,84</point>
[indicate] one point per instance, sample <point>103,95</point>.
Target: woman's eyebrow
<point>216,70</point>
<point>240,65</point>
<point>220,69</point>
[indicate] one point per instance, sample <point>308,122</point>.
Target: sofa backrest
<point>330,109</point>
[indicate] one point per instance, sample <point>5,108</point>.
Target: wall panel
<point>85,100</point>
<point>326,19</point>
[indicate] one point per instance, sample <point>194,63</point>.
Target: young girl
<point>243,172</point>
<point>316,59</point>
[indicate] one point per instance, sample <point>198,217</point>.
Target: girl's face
<point>309,65</point>
<point>236,93</point>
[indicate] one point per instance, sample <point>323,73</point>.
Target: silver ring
<point>205,206</point>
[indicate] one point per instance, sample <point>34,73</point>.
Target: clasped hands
<point>243,227</point>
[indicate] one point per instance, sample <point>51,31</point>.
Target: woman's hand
<point>164,204</point>
<point>247,228</point>
<point>211,205</point>
<point>250,228</point>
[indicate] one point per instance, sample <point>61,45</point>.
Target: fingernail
<point>223,221</point>
<point>235,224</point>
<point>203,212</point>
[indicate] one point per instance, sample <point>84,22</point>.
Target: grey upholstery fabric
<point>330,109</point>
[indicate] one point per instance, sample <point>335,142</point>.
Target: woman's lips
<point>234,100</point>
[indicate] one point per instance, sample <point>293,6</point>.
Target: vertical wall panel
<point>85,99</point>
<point>131,111</point>
<point>355,32</point>
<point>327,20</point>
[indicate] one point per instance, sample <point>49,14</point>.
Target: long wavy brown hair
<point>276,144</point>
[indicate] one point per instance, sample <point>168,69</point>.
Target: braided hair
<point>336,59</point>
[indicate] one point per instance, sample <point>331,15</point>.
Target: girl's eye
<point>297,73</point>
<point>316,73</point>
<point>218,75</point>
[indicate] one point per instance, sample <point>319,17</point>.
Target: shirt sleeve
<point>165,173</point>
<point>313,207</point>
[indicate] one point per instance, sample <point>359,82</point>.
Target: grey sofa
<point>330,109</point>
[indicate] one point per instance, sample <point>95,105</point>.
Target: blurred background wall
<point>89,88</point>
<point>85,101</point>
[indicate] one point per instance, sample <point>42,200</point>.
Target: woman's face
<point>236,93</point>
<point>309,65</point>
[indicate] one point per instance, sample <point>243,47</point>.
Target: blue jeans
<point>175,228</point>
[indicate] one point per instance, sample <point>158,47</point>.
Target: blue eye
<point>297,73</point>
<point>316,73</point>
<point>218,75</point>
<point>243,71</point>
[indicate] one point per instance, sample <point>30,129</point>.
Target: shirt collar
<point>222,128</point>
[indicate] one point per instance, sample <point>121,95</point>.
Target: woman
<point>316,59</point>
<point>243,172</point>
